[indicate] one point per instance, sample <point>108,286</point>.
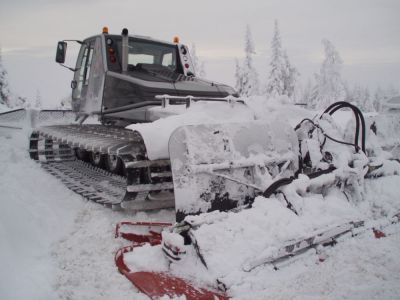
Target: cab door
<point>81,77</point>
<point>89,77</point>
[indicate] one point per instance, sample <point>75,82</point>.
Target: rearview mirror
<point>61,51</point>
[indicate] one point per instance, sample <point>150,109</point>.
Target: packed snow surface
<point>56,245</point>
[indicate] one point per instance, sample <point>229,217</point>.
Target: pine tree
<point>283,75</point>
<point>38,100</point>
<point>4,91</point>
<point>249,74</point>
<point>238,77</point>
<point>361,96</point>
<point>368,104</point>
<point>197,64</point>
<point>348,92</point>
<point>330,87</point>
<point>314,94</point>
<point>378,99</point>
<point>307,94</point>
<point>276,82</point>
<point>356,95</point>
<point>290,77</point>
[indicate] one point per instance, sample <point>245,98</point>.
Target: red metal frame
<point>156,284</point>
<point>154,238</point>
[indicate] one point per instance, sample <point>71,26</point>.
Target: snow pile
<point>234,241</point>
<point>357,268</point>
<point>157,133</point>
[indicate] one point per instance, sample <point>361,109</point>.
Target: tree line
<point>325,88</point>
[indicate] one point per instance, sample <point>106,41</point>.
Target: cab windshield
<point>142,52</point>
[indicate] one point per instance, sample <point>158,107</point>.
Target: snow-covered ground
<point>56,245</point>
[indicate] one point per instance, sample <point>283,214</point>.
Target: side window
<point>88,65</point>
<point>83,65</point>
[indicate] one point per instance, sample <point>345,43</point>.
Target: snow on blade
<point>157,133</point>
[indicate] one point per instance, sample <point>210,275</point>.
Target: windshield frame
<point>116,44</point>
<point>150,48</point>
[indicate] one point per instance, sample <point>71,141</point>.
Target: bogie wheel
<point>114,164</point>
<point>98,159</point>
<point>82,154</point>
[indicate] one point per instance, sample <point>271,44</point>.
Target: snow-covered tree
<point>378,99</point>
<point>290,77</point>
<point>248,72</point>
<point>197,64</point>
<point>355,95</point>
<point>330,87</point>
<point>307,94</point>
<point>283,75</point>
<point>6,97</point>
<point>367,101</point>
<point>276,79</point>
<point>38,100</point>
<point>361,97</point>
<point>348,92</point>
<point>4,91</point>
<point>238,77</point>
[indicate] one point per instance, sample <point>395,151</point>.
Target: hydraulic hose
<point>358,117</point>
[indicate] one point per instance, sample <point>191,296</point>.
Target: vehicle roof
<point>142,37</point>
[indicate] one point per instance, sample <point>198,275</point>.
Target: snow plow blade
<point>224,166</point>
<point>31,118</point>
<point>155,284</point>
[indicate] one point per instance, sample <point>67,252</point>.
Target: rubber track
<point>92,183</point>
<point>54,147</point>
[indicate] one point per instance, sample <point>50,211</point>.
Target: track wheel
<point>114,164</point>
<point>82,154</point>
<point>98,159</point>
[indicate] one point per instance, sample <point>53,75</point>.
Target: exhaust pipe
<point>125,50</point>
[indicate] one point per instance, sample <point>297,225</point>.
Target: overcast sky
<point>365,32</point>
